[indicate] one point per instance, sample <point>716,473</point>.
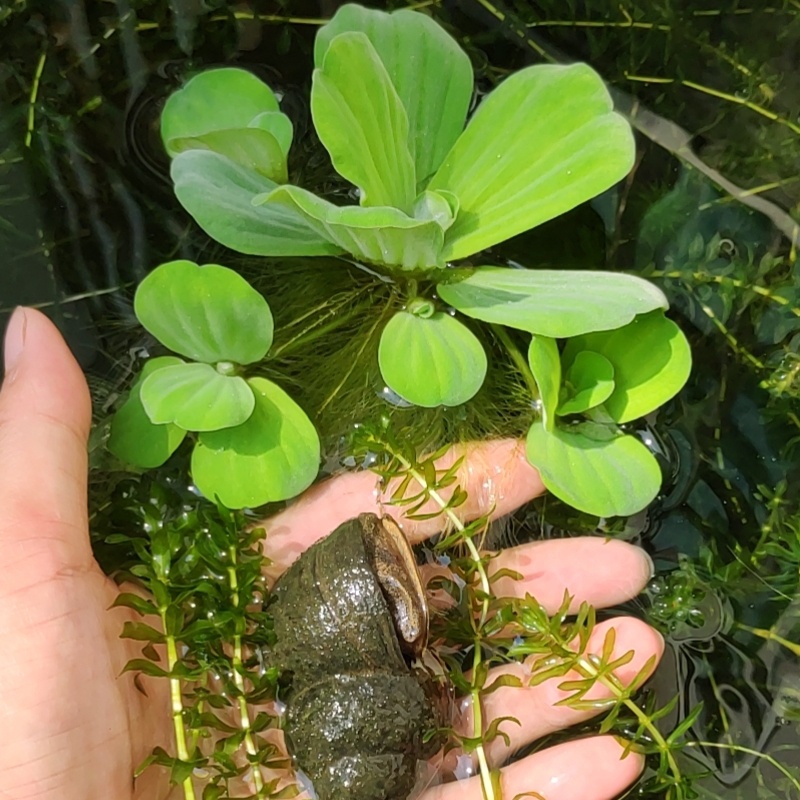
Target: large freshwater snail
<point>345,613</point>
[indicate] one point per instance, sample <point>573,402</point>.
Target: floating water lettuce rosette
<point>390,100</point>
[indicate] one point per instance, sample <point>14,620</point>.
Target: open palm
<point>75,728</point>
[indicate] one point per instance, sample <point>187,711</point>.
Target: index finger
<point>495,474</point>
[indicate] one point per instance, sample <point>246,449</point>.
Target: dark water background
<point>713,90</point>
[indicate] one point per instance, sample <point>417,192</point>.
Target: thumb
<point>45,415</point>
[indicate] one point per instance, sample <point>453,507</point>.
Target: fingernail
<point>651,565</point>
<point>15,339</point>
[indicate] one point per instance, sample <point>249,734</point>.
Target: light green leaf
<point>544,141</point>
<point>431,73</point>
<point>545,364</point>
<point>273,456</point>
<point>555,303</point>
<point>378,235</point>
<point>608,478</point>
<point>588,383</point>
<point>442,207</point>
<point>651,358</point>
<point>252,148</point>
<point>362,123</point>
<point>208,313</point>
<point>214,100</point>
<point>431,361</point>
<point>196,397</point>
<point>218,194</point>
<point>134,439</point>
<point>278,124</point>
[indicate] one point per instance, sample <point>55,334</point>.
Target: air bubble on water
<point>464,768</point>
<point>393,398</point>
<point>305,782</point>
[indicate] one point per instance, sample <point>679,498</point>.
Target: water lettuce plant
<point>390,98</point>
<point>254,444</point>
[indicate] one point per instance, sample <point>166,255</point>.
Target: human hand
<point>600,572</point>
<point>74,729</point>
<point>78,728</point>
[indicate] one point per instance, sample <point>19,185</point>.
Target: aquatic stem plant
<point>431,488</point>
<point>202,566</point>
<point>500,630</point>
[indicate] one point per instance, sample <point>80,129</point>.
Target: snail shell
<point>356,712</point>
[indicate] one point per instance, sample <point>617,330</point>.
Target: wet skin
<point>75,728</point>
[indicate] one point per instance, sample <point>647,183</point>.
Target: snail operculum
<point>344,614</point>
<point>393,561</point>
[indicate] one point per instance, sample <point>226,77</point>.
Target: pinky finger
<point>595,768</point>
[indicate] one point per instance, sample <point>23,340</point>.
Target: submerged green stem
<point>475,694</point>
<point>770,636</point>
<point>176,701</point>
<point>755,753</point>
<point>238,679</point>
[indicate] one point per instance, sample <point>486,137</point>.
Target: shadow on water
<point>709,213</point>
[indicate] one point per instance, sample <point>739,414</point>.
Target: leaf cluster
<point>254,443</point>
<point>431,190</point>
<point>480,629</point>
<point>609,378</point>
<point>428,192</point>
<point>199,569</point>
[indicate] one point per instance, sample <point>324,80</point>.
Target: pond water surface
<point>710,213</point>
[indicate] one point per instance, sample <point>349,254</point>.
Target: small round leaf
<point>197,398</point>
<point>251,148</point>
<point>589,381</point>
<point>279,125</point>
<point>617,476</point>
<point>134,438</point>
<point>651,359</point>
<point>431,361</point>
<point>215,100</point>
<point>207,313</point>
<point>273,456</point>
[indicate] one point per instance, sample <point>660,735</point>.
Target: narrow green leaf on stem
<point>545,363</point>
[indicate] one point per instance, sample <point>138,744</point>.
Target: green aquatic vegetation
<point>482,629</point>
<point>254,444</point>
<point>609,378</point>
<point>432,188</point>
<point>61,102</point>
<point>201,629</point>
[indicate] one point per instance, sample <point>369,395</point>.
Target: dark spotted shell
<point>357,714</point>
